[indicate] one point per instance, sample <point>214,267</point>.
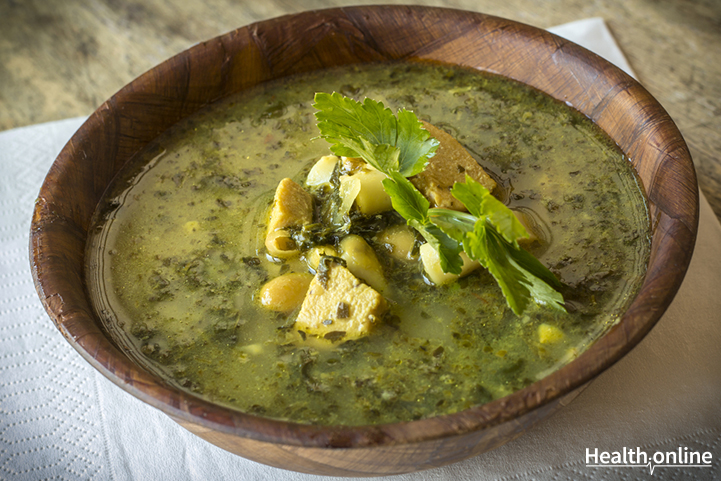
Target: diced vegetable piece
<point>548,334</point>
<point>432,266</point>
<point>292,207</point>
<point>312,257</point>
<point>452,181</point>
<point>349,189</point>
<point>322,171</point>
<point>351,165</point>
<point>254,349</point>
<point>191,226</point>
<point>372,198</point>
<point>450,165</point>
<point>361,260</point>
<point>399,240</point>
<point>285,293</point>
<point>339,306</point>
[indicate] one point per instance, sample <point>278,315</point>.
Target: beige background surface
<point>63,420</point>
<point>62,59</point>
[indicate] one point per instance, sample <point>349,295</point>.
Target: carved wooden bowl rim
<point>557,66</point>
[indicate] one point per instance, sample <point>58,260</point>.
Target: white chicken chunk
<point>339,306</point>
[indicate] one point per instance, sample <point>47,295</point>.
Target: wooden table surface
<point>63,59</point>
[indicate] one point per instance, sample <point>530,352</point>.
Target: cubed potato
<point>548,334</point>
<point>363,185</point>
<point>399,241</point>
<point>434,272</point>
<point>372,197</point>
<point>361,260</point>
<point>292,207</point>
<point>351,165</point>
<point>313,255</point>
<point>450,165</point>
<point>338,306</point>
<point>191,226</point>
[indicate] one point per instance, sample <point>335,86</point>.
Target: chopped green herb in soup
<point>244,261</point>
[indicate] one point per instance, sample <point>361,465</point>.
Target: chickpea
<point>434,272</point>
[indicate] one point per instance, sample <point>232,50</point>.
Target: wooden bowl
<point>312,40</point>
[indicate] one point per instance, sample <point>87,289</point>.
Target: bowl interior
<point>299,43</point>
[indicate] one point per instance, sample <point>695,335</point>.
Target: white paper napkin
<point>593,34</point>
<point>61,419</point>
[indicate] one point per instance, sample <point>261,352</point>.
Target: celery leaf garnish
<point>492,240</point>
<point>357,130</point>
<point>400,147</point>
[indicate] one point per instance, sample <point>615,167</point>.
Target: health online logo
<point>629,458</point>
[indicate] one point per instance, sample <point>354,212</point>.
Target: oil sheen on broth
<point>176,259</point>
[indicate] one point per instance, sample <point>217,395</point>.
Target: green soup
<point>177,258</point>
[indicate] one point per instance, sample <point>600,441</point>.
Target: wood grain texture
<point>316,39</point>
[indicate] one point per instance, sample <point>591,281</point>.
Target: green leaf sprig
<point>489,233</point>
<point>400,148</point>
<point>371,131</point>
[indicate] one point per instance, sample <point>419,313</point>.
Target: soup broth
<point>177,256</point>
